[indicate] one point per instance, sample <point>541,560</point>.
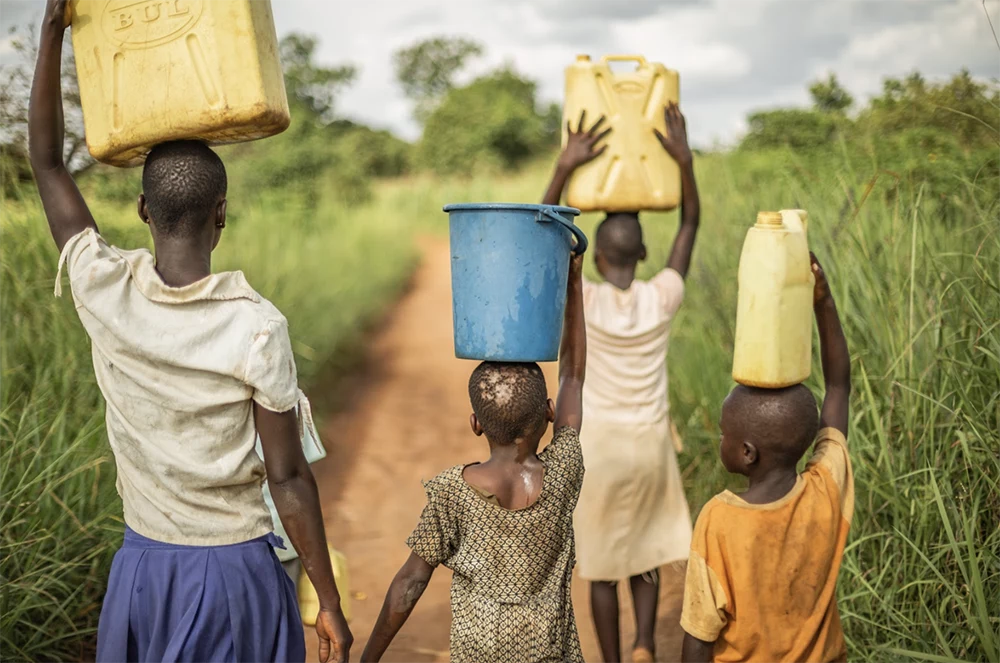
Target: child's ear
<point>220,214</point>
<point>474,423</point>
<point>550,411</point>
<point>642,253</point>
<point>141,208</point>
<point>750,455</point>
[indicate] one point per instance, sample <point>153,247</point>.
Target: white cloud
<point>733,55</point>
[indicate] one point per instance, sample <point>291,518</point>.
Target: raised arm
<point>572,353</point>
<point>65,208</point>
<point>580,148</point>
<point>676,145</point>
<point>296,498</point>
<point>836,357</point>
<point>404,592</point>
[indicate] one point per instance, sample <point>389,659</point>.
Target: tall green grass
<point>918,292</point>
<point>329,269</point>
<point>919,295</point>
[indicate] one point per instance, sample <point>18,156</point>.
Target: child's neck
<point>181,262</point>
<point>770,485</point>
<point>516,453</point>
<point>620,277</point>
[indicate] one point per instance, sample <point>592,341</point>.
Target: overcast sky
<point>734,56</point>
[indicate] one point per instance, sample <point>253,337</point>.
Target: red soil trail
<point>401,418</point>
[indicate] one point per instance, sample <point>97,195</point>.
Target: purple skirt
<point>199,603</point>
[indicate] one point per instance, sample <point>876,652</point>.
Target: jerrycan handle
<point>548,215</point>
<point>625,58</point>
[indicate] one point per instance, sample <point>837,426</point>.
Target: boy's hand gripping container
<point>635,172</point>
<point>509,265</point>
<point>774,316</point>
<point>159,70</point>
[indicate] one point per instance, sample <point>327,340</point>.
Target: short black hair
<point>182,181</point>
<point>619,238</point>
<point>783,421</point>
<point>509,399</point>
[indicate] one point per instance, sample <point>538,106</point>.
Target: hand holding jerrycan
<point>509,265</point>
<point>774,316</point>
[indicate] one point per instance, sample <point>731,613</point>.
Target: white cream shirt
<point>627,336</point>
<point>179,369</point>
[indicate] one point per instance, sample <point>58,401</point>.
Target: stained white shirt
<point>180,369</point>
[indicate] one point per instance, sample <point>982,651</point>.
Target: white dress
<point>632,516</point>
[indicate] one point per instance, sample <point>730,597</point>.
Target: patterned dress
<point>510,593</point>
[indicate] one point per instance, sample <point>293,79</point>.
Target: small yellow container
<point>309,599</point>
<point>152,71</point>
<point>775,311</point>
<point>634,173</point>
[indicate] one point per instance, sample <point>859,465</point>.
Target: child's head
<point>184,191</point>
<point>766,428</point>
<point>618,242</point>
<point>509,402</point>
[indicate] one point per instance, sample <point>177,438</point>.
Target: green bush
<point>376,152</point>
<point>491,124</point>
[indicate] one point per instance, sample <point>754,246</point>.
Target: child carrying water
<point>762,574</point>
<point>505,526</point>
<point>193,366</point>
<point>633,517</point>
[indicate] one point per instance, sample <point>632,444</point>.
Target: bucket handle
<point>547,215</point>
<point>625,58</point>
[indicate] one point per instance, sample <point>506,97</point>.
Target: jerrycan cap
<point>769,220</point>
<point>583,58</point>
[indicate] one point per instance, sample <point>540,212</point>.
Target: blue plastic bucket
<point>509,265</point>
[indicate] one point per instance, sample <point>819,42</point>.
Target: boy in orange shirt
<point>762,573</point>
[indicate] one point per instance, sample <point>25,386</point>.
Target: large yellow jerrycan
<point>152,71</point>
<point>775,310</point>
<point>309,599</point>
<point>634,173</point>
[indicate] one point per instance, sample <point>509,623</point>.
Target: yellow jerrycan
<point>152,71</point>
<point>309,599</point>
<point>634,173</point>
<point>775,310</point>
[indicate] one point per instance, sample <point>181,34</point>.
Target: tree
<point>314,86</point>
<point>491,123</point>
<point>15,86</point>
<point>829,96</point>
<point>426,70</point>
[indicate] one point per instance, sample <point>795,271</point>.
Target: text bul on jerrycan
<point>152,71</point>
<point>774,315</point>
<point>634,173</point>
<point>509,265</point>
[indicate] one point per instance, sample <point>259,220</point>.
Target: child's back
<point>510,546</point>
<point>778,563</point>
<point>178,368</point>
<point>762,573</point>
<point>628,332</point>
<point>511,568</point>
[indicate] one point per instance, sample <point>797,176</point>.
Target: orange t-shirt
<point>761,578</point>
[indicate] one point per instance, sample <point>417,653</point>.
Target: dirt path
<point>404,418</point>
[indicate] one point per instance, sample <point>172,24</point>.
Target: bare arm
<point>404,592</point>
<point>296,498</point>
<point>581,147</point>
<point>836,356</point>
<point>572,353</point>
<point>676,144</point>
<point>65,208</point>
<point>695,650</point>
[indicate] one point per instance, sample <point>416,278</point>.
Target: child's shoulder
<point>445,483</point>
